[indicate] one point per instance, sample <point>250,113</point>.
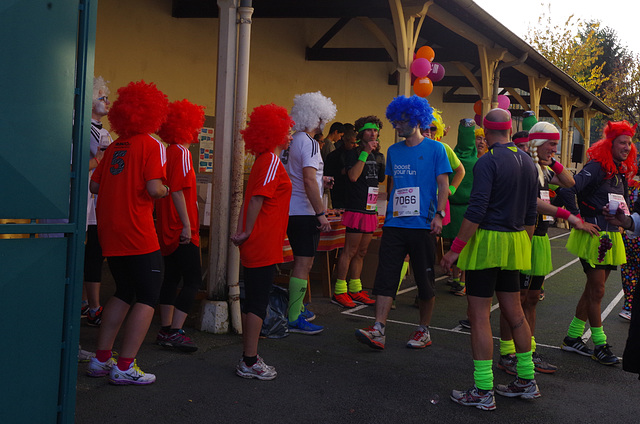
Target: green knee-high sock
<point>576,328</point>
<point>483,374</point>
<point>533,344</point>
<point>297,290</point>
<point>403,273</point>
<point>507,347</point>
<point>524,367</point>
<point>355,285</point>
<point>598,336</point>
<point>341,286</point>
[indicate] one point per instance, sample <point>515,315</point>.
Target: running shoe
<point>419,339</point>
<point>458,289</point>
<point>362,298</point>
<point>473,397</point>
<point>84,309</point>
<point>134,375</point>
<point>344,300</point>
<point>94,319</point>
<point>259,370</point>
<point>576,344</point>
<point>626,314</point>
<point>177,339</point>
<point>602,353</point>
<point>100,369</point>
<point>541,296</point>
<point>303,326</point>
<point>541,365</point>
<point>372,337</point>
<point>526,389</point>
<point>508,363</point>
<point>465,323</point>
<point>84,355</point>
<point>307,314</point>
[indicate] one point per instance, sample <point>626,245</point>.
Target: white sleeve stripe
<point>163,151</point>
<point>186,160</point>
<point>273,167</point>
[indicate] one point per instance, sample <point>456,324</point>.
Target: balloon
<point>477,107</point>
<point>437,72</point>
<point>423,87</point>
<point>413,79</point>
<point>503,102</point>
<point>478,119</point>
<point>426,52</point>
<point>420,67</point>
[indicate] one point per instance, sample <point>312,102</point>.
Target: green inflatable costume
<point>468,154</point>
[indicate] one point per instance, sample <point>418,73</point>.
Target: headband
<point>520,140</point>
<point>369,125</point>
<point>490,125</point>
<point>544,136</point>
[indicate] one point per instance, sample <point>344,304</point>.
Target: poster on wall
<point>205,159</point>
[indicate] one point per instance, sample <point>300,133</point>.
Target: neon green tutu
<point>496,249</point>
<point>584,246</point>
<point>540,256</point>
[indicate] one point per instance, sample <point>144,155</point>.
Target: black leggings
<point>183,263</point>
<point>137,277</point>
<point>257,285</point>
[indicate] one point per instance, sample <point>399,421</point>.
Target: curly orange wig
<point>269,125</point>
<point>601,150</point>
<point>140,109</point>
<point>183,123</point>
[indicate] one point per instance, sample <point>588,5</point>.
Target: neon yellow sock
<point>598,336</point>
<point>341,286</point>
<point>297,290</point>
<point>403,273</point>
<point>483,374</point>
<point>576,328</point>
<point>533,344</point>
<point>355,285</point>
<point>524,367</point>
<point>507,347</point>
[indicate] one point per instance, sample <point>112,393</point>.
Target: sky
<point>616,14</point>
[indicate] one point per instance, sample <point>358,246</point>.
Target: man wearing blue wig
<point>418,187</point>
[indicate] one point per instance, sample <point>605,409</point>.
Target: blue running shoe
<point>307,314</point>
<point>303,326</point>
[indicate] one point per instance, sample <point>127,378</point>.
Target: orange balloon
<point>423,87</point>
<point>477,107</point>
<point>426,52</point>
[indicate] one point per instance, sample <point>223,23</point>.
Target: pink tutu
<point>365,222</point>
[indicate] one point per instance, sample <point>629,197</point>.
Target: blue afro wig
<point>415,109</point>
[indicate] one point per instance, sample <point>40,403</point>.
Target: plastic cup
<point>613,206</point>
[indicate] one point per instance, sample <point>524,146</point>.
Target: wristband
<point>562,213</point>
<point>452,189</point>
<point>168,190</point>
<point>363,156</point>
<point>319,214</point>
<point>556,166</point>
<point>457,245</point>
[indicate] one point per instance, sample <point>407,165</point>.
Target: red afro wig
<point>140,109</point>
<point>601,150</point>
<point>183,122</point>
<point>269,126</point>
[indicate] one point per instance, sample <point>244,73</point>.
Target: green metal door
<point>46,72</point>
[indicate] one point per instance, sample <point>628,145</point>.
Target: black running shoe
<point>603,354</point>
<point>464,323</point>
<point>576,344</point>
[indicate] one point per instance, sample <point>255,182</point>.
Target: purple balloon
<point>437,72</point>
<point>503,102</point>
<point>478,120</point>
<point>420,67</point>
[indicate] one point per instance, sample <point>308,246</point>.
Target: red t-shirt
<point>125,208</point>
<point>180,176</point>
<point>268,178</point>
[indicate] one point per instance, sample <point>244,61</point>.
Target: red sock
<point>124,363</point>
<point>103,355</point>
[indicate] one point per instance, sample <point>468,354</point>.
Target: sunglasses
<point>103,99</point>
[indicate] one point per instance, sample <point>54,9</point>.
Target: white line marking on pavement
<point>560,235</point>
<point>555,271</point>
<point>605,313</point>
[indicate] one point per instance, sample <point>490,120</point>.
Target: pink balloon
<point>420,67</point>
<point>503,102</point>
<point>437,72</point>
<point>478,120</point>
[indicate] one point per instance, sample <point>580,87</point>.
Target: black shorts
<point>586,267</point>
<point>484,282</point>
<point>93,258</point>
<point>531,282</point>
<point>304,235</point>
<point>257,285</point>
<point>138,277</point>
<point>396,243</point>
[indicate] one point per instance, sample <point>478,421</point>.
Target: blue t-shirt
<point>414,170</point>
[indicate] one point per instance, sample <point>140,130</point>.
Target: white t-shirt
<point>99,137</point>
<point>303,152</point>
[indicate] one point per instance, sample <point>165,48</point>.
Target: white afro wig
<point>99,84</point>
<point>311,111</point>
<point>540,128</point>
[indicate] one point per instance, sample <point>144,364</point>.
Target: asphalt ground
<point>330,377</point>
